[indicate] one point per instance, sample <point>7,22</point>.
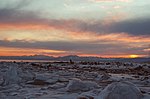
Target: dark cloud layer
<point>13,15</point>
<point>135,27</point>
<point>82,47</point>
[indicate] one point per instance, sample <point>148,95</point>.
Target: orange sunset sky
<point>103,28</point>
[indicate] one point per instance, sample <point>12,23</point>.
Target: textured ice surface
<point>78,81</point>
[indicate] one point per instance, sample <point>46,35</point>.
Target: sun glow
<point>133,56</point>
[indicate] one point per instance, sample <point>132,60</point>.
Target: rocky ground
<point>80,80</point>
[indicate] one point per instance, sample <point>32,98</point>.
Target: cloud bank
<point>107,35</point>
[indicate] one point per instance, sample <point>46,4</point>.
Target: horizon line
<point>74,55</point>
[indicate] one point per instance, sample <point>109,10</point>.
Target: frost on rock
<point>78,85</point>
<point>120,90</point>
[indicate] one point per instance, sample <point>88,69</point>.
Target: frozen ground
<point>84,80</point>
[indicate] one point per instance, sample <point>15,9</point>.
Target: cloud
<point>14,16</point>
<point>13,13</point>
<point>110,0</point>
<point>78,47</point>
<point>111,37</point>
<point>133,27</point>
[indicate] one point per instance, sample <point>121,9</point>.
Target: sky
<point>102,28</point>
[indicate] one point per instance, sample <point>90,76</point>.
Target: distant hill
<point>77,58</point>
<point>32,57</point>
<point>74,58</point>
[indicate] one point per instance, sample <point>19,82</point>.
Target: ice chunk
<point>120,90</point>
<point>78,85</point>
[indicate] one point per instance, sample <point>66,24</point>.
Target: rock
<point>120,90</point>
<point>78,85</point>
